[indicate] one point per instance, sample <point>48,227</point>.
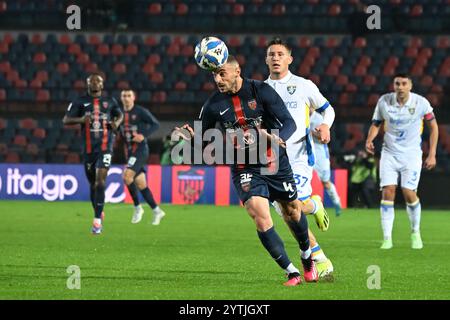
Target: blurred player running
<point>253,108</point>
<point>138,125</point>
<point>98,117</point>
<point>403,113</point>
<point>322,163</point>
<point>299,95</point>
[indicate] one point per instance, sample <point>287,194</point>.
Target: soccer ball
<point>211,53</point>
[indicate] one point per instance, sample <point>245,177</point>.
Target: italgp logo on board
<point>51,186</point>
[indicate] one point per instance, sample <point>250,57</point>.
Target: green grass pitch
<point>207,252</point>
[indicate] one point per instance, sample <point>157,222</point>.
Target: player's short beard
<point>95,92</point>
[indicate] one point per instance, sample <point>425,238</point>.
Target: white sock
<point>387,218</point>
<point>316,207</point>
<point>291,269</point>
<point>332,193</point>
<point>97,221</point>
<point>138,207</point>
<point>305,254</point>
<point>414,211</point>
<point>317,254</point>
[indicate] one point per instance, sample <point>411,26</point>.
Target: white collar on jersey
<point>285,79</point>
<point>408,103</point>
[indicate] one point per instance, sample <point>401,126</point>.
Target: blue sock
<point>274,245</point>
<point>132,189</point>
<point>147,194</point>
<point>99,200</point>
<point>300,230</point>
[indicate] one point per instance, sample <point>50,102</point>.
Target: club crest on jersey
<point>411,110</point>
<point>105,104</point>
<point>133,117</point>
<point>252,104</point>
<point>291,89</point>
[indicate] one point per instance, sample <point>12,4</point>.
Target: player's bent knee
<point>388,193</point>
<point>409,195</point>
<point>140,181</point>
<point>291,209</point>
<point>128,177</point>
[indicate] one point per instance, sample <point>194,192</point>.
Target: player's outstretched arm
<point>74,120</point>
<point>430,161</point>
<point>373,132</point>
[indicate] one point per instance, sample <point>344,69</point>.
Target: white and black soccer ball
<point>211,53</point>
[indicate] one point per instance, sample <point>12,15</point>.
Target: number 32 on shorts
<point>300,180</point>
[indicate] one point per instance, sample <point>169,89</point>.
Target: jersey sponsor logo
<point>252,104</point>
<point>96,125</point>
<point>291,89</point>
<point>190,184</point>
<point>223,112</point>
<point>291,104</point>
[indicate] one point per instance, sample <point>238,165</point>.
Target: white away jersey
<point>315,119</point>
<point>298,94</point>
<point>403,125</point>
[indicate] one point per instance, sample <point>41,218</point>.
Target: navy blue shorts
<point>97,160</point>
<point>250,182</point>
<point>94,161</point>
<point>138,162</point>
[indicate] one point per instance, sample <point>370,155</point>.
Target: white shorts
<point>303,174</point>
<point>393,167</point>
<point>322,165</point>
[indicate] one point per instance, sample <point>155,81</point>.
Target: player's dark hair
<point>281,42</point>
<point>97,73</point>
<point>134,92</point>
<point>402,75</point>
<point>232,59</point>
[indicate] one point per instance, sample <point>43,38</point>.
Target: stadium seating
<point>44,68</point>
<point>310,16</point>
